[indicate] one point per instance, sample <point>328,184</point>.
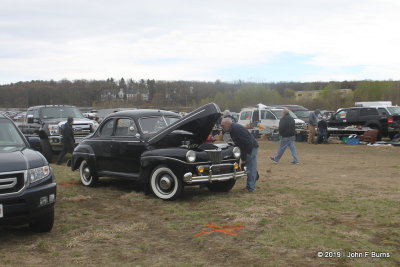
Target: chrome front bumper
<point>189,178</point>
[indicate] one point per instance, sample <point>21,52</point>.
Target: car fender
<point>148,163</point>
<point>83,152</point>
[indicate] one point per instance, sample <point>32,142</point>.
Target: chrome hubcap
<point>165,182</point>
<point>86,173</point>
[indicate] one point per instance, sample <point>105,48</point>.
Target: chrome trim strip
<point>26,181</point>
<point>193,163</point>
<point>6,183</point>
<point>189,178</point>
<point>84,153</point>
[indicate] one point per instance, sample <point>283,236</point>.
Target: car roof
<point>291,107</point>
<point>267,108</point>
<point>49,106</point>
<point>359,108</point>
<point>138,113</point>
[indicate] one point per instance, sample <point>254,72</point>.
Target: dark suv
<point>27,184</point>
<point>387,125</point>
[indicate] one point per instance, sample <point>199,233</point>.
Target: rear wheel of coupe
<point>221,186</point>
<point>87,176</point>
<point>44,224</point>
<point>165,184</point>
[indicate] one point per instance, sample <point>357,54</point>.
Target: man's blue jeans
<point>322,136</point>
<point>251,165</point>
<point>287,142</point>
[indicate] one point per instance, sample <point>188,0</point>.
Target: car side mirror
<point>30,118</point>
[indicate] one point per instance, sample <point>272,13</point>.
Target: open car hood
<point>199,122</point>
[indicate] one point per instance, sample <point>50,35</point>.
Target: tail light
<point>390,120</point>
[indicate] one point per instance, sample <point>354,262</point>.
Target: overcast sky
<point>205,40</point>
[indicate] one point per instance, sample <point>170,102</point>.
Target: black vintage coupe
<point>161,150</point>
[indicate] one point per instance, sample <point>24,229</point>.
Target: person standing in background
<point>322,132</point>
<point>313,120</point>
<point>287,131</point>
<point>68,140</point>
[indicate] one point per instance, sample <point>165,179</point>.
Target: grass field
<point>341,199</point>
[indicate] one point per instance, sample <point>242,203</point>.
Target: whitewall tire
<point>165,184</point>
<point>86,174</point>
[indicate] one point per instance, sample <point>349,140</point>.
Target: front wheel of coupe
<point>165,184</point>
<point>87,176</point>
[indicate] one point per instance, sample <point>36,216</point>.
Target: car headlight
<point>53,129</point>
<point>37,174</point>
<point>236,152</point>
<point>191,156</point>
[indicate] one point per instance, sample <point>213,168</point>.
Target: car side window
<point>382,111</point>
<point>341,115</point>
<point>36,114</point>
<point>267,115</point>
<point>351,114</point>
<point>245,115</point>
<point>125,127</point>
<point>368,112</point>
<point>170,120</point>
<point>107,128</point>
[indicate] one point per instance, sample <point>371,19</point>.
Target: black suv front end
<point>27,183</point>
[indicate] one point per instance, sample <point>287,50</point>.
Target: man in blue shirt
<point>248,146</point>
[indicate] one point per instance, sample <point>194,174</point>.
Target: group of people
<point>249,146</point>
<point>287,130</point>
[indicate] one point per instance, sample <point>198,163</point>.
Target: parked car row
<point>159,149</point>
<point>262,119</point>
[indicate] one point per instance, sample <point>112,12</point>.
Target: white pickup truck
<point>266,120</point>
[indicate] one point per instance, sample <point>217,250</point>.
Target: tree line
<point>186,95</point>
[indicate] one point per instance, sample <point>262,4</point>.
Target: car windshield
<point>155,124</point>
<point>60,112</point>
<point>394,110</point>
<point>170,120</point>
<point>10,138</point>
<point>279,113</point>
<point>302,113</point>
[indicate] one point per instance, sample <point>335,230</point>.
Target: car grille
<point>300,126</point>
<point>222,169</point>
<point>12,182</point>
<point>215,156</point>
<point>82,130</point>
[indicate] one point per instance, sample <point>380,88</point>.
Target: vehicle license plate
<point>1,210</point>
